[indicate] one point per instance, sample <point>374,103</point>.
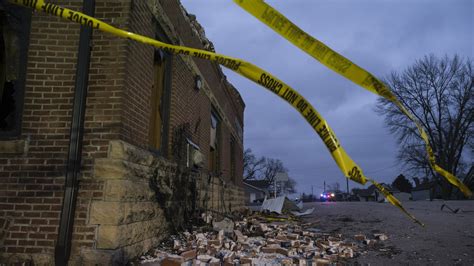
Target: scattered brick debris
<point>258,240</point>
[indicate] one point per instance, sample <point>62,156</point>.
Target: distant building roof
<point>366,192</point>
<point>259,184</point>
<point>249,189</point>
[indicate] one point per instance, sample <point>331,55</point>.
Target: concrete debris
<point>176,244</point>
<point>259,240</point>
<point>207,217</point>
<point>227,225</point>
<point>369,242</point>
<point>382,237</point>
<point>279,205</point>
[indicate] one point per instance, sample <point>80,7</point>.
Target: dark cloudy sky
<point>380,35</point>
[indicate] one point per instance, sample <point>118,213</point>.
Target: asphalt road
<point>447,238</point>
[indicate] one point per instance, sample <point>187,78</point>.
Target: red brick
<point>15,249</point>
<point>18,235</point>
<point>52,201</point>
<point>8,242</point>
<point>31,214</point>
<point>26,242</point>
<point>50,214</point>
<point>52,236</point>
<point>47,229</point>
<point>41,207</point>
<point>34,200</point>
<point>45,243</point>
<point>33,250</point>
<point>22,207</point>
<point>6,207</point>
<point>39,221</point>
<point>37,236</point>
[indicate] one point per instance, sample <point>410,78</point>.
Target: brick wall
<point>32,176</point>
<point>32,167</point>
<point>138,78</point>
<point>222,91</point>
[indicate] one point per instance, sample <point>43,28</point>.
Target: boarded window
<point>156,101</point>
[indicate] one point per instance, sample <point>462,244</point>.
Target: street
<point>446,239</point>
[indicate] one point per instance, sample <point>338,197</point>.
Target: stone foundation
<point>145,198</point>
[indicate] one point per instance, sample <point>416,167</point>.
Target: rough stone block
<point>101,257</point>
<point>120,169</point>
<point>127,190</point>
<point>118,213</point>
<point>124,151</point>
<point>138,248</point>
<point>115,236</point>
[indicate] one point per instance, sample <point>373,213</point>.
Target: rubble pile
<point>258,240</point>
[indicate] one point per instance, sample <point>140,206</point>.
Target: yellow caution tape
<point>350,169</point>
<point>333,60</point>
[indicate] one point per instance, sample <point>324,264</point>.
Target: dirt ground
<point>446,239</point>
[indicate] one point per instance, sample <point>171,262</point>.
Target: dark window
<point>14,39</point>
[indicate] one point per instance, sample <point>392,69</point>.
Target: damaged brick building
<point>163,134</point>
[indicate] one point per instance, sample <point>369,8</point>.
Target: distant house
<point>255,190</point>
<point>401,196</point>
<point>369,194</point>
<point>372,194</point>
<point>422,191</point>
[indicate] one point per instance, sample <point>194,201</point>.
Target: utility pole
<point>347,185</point>
<point>324,186</point>
<point>312,195</point>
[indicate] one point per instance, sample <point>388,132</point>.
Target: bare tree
<point>291,186</point>
<point>272,167</point>
<point>439,93</point>
<point>253,166</point>
<point>265,169</point>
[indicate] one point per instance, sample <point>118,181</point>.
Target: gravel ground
<point>447,238</point>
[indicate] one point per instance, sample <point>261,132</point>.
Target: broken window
<point>14,39</point>
<point>214,144</point>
